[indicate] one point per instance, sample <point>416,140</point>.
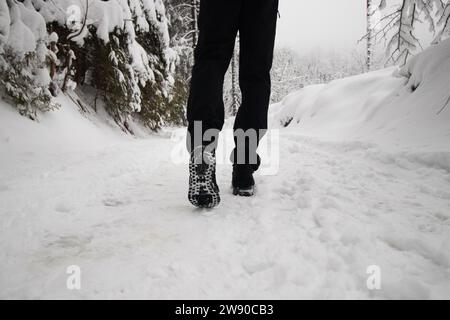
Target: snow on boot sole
<point>203,189</point>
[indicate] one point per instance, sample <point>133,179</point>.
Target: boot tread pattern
<point>203,189</point>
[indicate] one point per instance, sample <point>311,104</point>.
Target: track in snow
<point>122,215</point>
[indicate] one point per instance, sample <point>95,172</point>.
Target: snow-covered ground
<point>347,196</point>
<point>407,108</point>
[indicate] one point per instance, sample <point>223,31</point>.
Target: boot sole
<point>244,192</point>
<point>203,192</point>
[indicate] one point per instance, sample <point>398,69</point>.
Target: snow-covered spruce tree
<point>24,78</point>
<point>399,26</point>
<point>114,78</point>
<point>160,101</point>
<point>121,48</point>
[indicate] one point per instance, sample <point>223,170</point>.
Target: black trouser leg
<point>218,27</point>
<point>257,27</point>
<point>219,23</point>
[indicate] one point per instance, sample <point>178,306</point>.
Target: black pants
<point>219,23</point>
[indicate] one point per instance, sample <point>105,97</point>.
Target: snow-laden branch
<point>399,26</point>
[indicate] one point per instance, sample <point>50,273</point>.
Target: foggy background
<point>326,25</point>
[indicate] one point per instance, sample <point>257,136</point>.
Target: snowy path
<point>121,214</point>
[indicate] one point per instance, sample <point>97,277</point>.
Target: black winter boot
<point>203,188</point>
<point>243,182</point>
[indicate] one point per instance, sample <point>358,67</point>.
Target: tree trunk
<point>369,35</point>
<point>194,13</point>
<point>68,66</point>
<point>235,80</point>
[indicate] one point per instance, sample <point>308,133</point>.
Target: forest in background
<point>133,58</point>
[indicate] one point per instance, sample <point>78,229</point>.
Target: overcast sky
<point>327,24</point>
<point>336,25</point>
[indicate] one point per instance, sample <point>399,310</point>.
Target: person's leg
<point>257,37</point>
<point>218,26</point>
<point>257,27</point>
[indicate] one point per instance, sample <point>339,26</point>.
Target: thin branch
<point>445,105</point>
<point>69,38</point>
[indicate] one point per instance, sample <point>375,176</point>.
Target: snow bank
<point>105,16</point>
<point>63,129</point>
<point>21,38</point>
<point>4,23</point>
<point>390,107</point>
<point>22,29</point>
<point>108,15</point>
<point>117,14</point>
<point>33,20</point>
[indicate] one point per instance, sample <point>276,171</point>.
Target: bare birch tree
<point>370,30</point>
<point>398,26</point>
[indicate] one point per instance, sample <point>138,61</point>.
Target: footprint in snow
<point>287,190</point>
<point>294,148</point>
<point>303,202</point>
<point>63,208</point>
<point>253,265</point>
<point>113,203</point>
<point>441,216</point>
<point>69,241</point>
